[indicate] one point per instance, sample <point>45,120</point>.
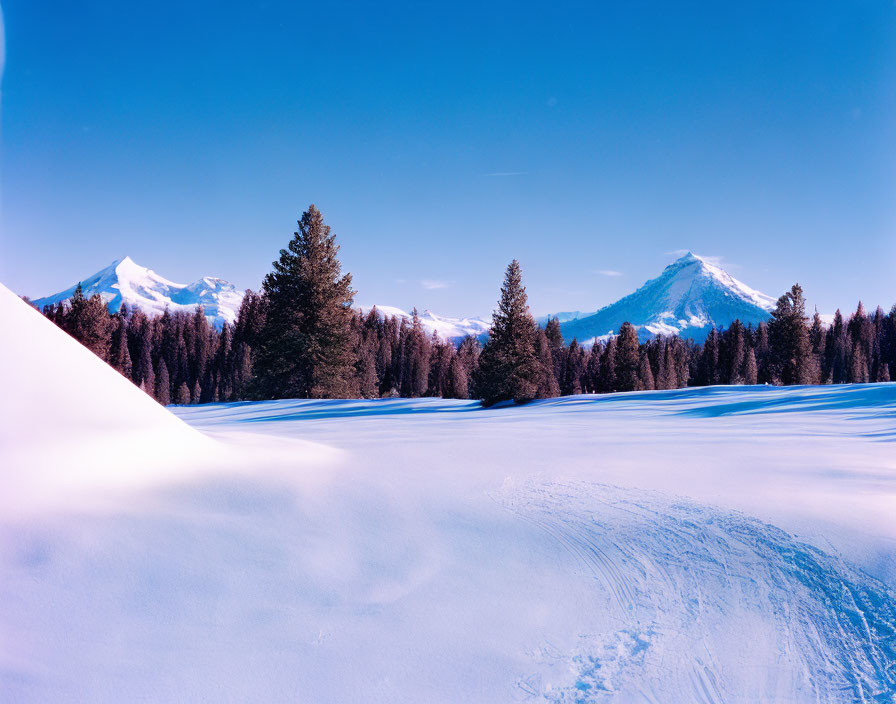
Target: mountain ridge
<point>687,299</point>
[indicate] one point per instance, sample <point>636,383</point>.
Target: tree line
<point>299,337</point>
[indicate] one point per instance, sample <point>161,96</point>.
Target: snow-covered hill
<point>125,281</point>
<point>687,299</point>
<point>447,328</point>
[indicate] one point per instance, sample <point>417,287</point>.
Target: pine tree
<point>119,355</point>
<point>508,366</point>
<point>592,369</point>
<point>554,336</point>
<point>415,358</point>
<point>88,321</point>
<point>573,370</point>
<point>144,376</point>
<point>306,342</point>
<point>607,382</point>
<point>547,384</point>
<point>750,369</point>
<point>458,386</point>
<point>163,387</point>
<point>788,336</point>
<point>182,398</point>
<point>645,374</point>
<point>628,359</point>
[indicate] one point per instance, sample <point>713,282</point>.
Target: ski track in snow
<point>679,576</point>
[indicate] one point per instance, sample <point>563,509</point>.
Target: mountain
<point>687,299</point>
<point>447,328</point>
<point>124,281</point>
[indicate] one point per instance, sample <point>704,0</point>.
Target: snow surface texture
<point>691,296</point>
<point>124,281</point>
<point>446,328</point>
<point>700,545</point>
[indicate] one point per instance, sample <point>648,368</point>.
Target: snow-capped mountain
<point>687,299</point>
<point>447,328</point>
<point>124,281</point>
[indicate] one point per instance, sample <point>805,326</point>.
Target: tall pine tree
<point>509,368</point>
<point>306,346</point>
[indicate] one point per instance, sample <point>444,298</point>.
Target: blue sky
<point>589,140</point>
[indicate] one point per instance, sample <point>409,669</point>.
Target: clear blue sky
<point>440,140</point>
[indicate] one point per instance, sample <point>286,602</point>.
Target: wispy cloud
<point>430,284</point>
<point>507,173</point>
<point>609,272</point>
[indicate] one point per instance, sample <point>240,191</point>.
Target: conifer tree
<point>88,321</point>
<point>547,384</point>
<point>835,367</point>
<point>182,397</point>
<point>163,388</point>
<point>751,372</point>
<point>628,359</point>
<point>558,351</point>
<point>592,369</point>
<point>306,343</point>
<point>508,366</point>
<point>458,386</point>
<point>607,382</point>
<point>119,354</point>
<point>144,376</point>
<point>645,374</point>
<point>415,360</point>
<point>791,353</point>
<point>573,370</point>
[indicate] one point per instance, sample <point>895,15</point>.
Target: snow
<point>727,544</point>
<point>125,281</point>
<point>446,328</point>
<point>690,296</point>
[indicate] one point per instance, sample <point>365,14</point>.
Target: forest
<point>300,337</point>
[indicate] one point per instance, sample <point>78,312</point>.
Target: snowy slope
<point>701,545</point>
<point>687,299</point>
<point>446,328</point>
<point>124,281</point>
<point>69,423</point>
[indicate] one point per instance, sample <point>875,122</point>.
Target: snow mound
<point>446,328</point>
<point>125,281</point>
<point>70,423</point>
<point>691,296</point>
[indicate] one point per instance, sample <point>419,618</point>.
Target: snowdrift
<point>70,425</point>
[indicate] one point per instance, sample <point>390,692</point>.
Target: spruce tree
<point>628,358</point>
<point>508,366</point>
<point>88,321</point>
<point>182,397</point>
<point>547,385</point>
<point>607,381</point>
<point>788,336</point>
<point>751,372</point>
<point>645,374</point>
<point>163,387</point>
<point>458,386</point>
<point>306,343</point>
<point>119,354</point>
<point>558,350</point>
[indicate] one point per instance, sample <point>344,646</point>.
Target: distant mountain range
<point>447,328</point>
<point>689,297</point>
<point>125,281</point>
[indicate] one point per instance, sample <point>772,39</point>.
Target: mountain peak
<point>691,296</point>
<point>125,281</point>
